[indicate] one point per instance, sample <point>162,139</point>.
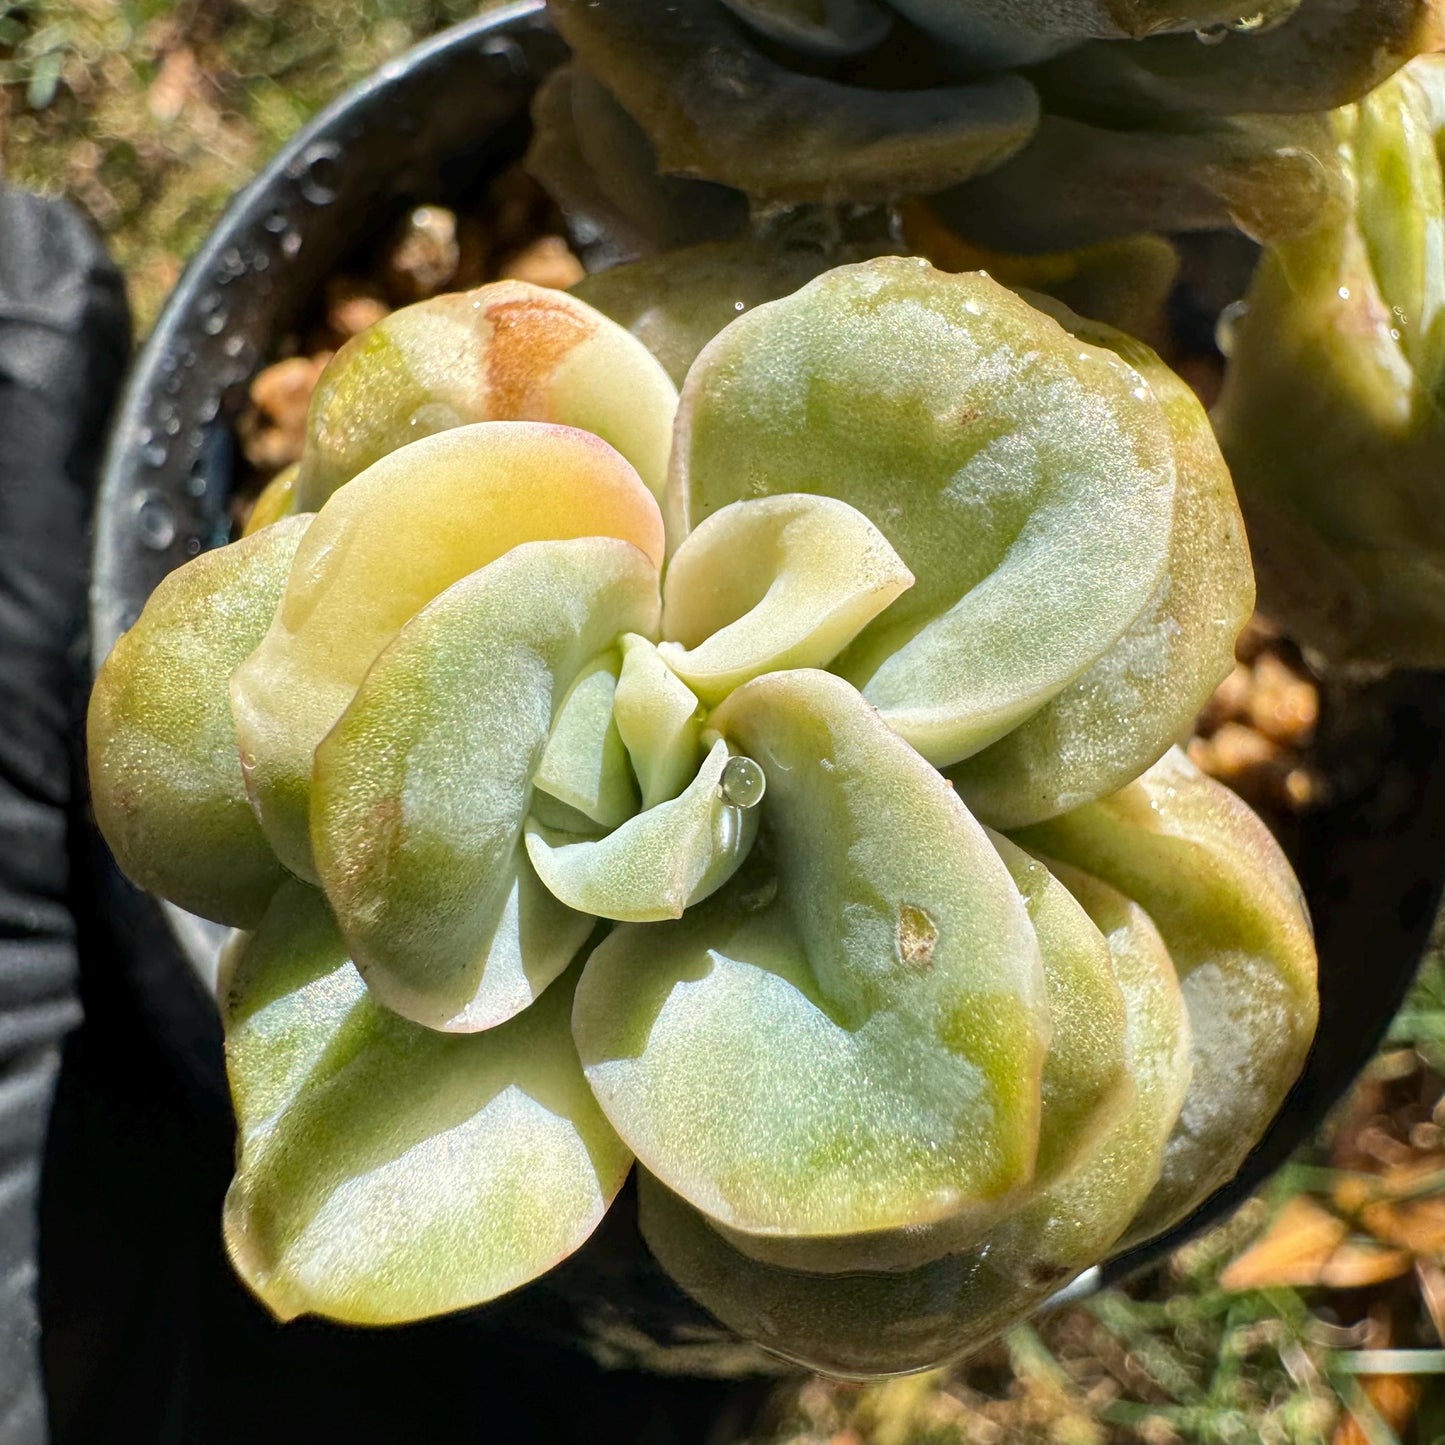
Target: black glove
<point>64,336</point>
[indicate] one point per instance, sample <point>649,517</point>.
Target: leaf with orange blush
<point>508,351</point>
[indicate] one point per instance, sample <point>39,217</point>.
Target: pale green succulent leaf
<point>422,788</point>
<point>1019,473</point>
<point>1127,284</point>
<point>885,1320</point>
<point>165,771</point>
<point>1143,694</point>
<point>277,500</point>
<point>1397,145</point>
<point>715,105</point>
<point>1231,914</point>
<point>584,764</point>
<point>379,551</point>
<point>676,303</point>
<point>656,864</point>
<point>1085,1084</point>
<point>508,351</point>
<point>660,721</point>
<point>387,1172</point>
<point>863,1051</point>
<point>551,813</point>
<point>773,583</point>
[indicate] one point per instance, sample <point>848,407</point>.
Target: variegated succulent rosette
<point>772,787</point>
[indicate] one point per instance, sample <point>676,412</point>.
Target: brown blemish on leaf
<point>917,936</point>
<point>531,334</point>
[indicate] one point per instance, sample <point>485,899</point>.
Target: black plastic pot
<point>430,127</point>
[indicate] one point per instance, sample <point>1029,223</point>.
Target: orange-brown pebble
<point>547,261</point>
<point>351,307</point>
<point>425,257</point>
<point>274,427</point>
<point>1237,749</point>
<point>1230,702</point>
<point>1283,705</point>
<point>1303,788</point>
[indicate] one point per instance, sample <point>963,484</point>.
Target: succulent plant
<point>1333,413</point>
<point>1047,126</point>
<point>599,777</point>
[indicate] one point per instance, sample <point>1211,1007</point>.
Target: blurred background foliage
<point>1316,1315</point>
<point>152,113</point>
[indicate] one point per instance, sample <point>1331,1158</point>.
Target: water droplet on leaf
<point>743,782</point>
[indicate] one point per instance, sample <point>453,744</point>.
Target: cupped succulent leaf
<point>847,1324</point>
<point>1020,474</point>
<point>1078,184</point>
<point>277,500</point>
<point>657,864</point>
<point>508,351</point>
<point>1331,417</point>
<point>1231,914</point>
<point>387,1172</point>
<point>1082,1217</point>
<point>421,789</point>
<point>834,28</point>
<point>584,763</point>
<point>1021,32</point>
<point>1327,54</point>
<point>676,303</point>
<point>598,165</point>
<point>660,721</point>
<point>716,106</point>
<point>165,772</point>
<point>379,551</point>
<point>1158,1031</point>
<point>1107,727</point>
<point>865,1051</point>
<point>1126,283</point>
<point>773,583</point>
<point>1086,1083</point>
<point>867,1323</point>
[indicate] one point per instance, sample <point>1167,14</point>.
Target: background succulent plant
<point>1049,126</point>
<point>1332,411</point>
<point>583,805</point>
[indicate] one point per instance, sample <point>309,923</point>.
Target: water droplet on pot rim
<point>155,521</point>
